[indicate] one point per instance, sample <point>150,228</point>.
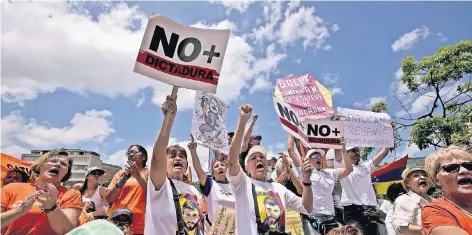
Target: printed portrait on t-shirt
<point>271,209</point>
<point>191,213</point>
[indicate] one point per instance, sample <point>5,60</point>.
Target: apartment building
<point>82,160</point>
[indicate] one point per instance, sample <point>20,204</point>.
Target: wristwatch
<point>53,208</point>
<point>308,184</point>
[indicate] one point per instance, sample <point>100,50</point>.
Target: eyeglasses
<point>454,167</point>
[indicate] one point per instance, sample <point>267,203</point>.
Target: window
<point>80,167</point>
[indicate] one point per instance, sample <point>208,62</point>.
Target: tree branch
<point>403,106</point>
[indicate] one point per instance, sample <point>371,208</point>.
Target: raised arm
<point>343,172</point>
<point>380,156</point>
<point>235,147</point>
<point>192,146</point>
<point>159,155</point>
<point>248,134</point>
<point>291,151</point>
<point>307,195</point>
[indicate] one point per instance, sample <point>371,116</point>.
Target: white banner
<point>181,55</point>
<point>366,129</point>
<point>209,122</point>
<point>324,133</point>
<point>289,120</point>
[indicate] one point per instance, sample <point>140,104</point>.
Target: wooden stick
<point>166,117</point>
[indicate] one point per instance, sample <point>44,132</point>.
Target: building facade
<point>82,161</point>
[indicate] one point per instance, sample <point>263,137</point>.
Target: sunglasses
<point>454,167</point>
<point>315,155</point>
<point>96,173</point>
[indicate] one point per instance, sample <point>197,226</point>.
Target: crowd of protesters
<point>152,194</point>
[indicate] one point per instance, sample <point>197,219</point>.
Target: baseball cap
<point>408,171</point>
<point>256,137</point>
<point>255,149</point>
<point>312,151</point>
<point>95,169</point>
<point>122,211</point>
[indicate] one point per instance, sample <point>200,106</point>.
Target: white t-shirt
<point>322,183</point>
<point>387,208</point>
<point>217,193</point>
<point>160,209</point>
<point>357,186</point>
<point>273,201</point>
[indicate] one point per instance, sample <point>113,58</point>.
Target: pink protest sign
<point>306,96</point>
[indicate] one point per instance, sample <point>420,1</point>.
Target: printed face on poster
<point>181,55</point>
<point>366,129</point>
<point>209,122</point>
<point>306,96</point>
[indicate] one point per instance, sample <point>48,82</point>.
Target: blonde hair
<point>36,166</point>
<point>434,161</point>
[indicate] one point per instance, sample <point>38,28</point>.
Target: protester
<point>216,189</point>
<point>43,207</point>
<point>92,192</point>
<point>15,176</point>
<point>286,176</point>
<point>123,219</point>
<point>128,187</point>
<point>451,170</point>
<point>406,218</point>
<point>321,219</point>
<point>393,192</point>
<point>271,166</point>
<point>345,230</point>
<point>172,205</point>
<point>260,205</point>
<point>249,141</point>
<point>358,197</point>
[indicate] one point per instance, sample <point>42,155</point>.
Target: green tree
<point>445,79</point>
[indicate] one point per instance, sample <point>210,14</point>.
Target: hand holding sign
<point>307,169</point>
<point>192,146</point>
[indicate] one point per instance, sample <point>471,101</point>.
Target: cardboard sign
<point>224,223</point>
<point>289,120</point>
<point>10,163</point>
<point>366,129</point>
<point>209,122</point>
<point>324,133</point>
<point>180,55</point>
<point>294,223</point>
<point>306,96</point>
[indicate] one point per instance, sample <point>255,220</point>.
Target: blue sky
<point>67,80</point>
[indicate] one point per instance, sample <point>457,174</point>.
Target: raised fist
<point>245,111</point>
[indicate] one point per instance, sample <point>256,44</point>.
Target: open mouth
<point>423,183</point>
<point>221,172</point>
<point>259,166</point>
<point>178,165</point>
<point>54,172</point>
<point>465,181</point>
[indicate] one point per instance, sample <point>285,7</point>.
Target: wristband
<point>307,184</point>
<point>53,208</point>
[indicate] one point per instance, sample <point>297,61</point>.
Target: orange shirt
<point>441,212</point>
<point>132,197</point>
<point>35,222</point>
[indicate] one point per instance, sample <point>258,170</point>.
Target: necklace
<point>466,212</point>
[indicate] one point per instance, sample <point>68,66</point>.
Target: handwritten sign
<point>324,133</point>
<point>180,55</point>
<point>294,223</point>
<point>224,223</point>
<point>306,96</point>
<point>366,129</point>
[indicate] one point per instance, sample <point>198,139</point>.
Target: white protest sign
<point>181,55</point>
<point>324,133</point>
<point>289,120</point>
<point>209,122</point>
<point>366,129</point>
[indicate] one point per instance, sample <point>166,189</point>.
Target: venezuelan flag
<point>389,174</point>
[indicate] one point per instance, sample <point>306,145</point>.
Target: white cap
<point>312,151</point>
<point>255,149</point>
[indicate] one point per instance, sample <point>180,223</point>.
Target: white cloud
<point>411,150</point>
<point>17,133</point>
<point>400,90</point>
<point>369,102</point>
<point>442,37</point>
<point>141,100</point>
<point>336,91</point>
<point>280,146</point>
<point>330,78</point>
<point>272,12</point>
<point>305,25</point>
<point>423,103</point>
<point>239,5</point>
<point>264,67</point>
<point>407,40</point>
<point>335,28</point>
<point>297,61</point>
<point>72,51</point>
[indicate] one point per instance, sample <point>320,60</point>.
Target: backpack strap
<point>256,205</point>
<point>178,212</point>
